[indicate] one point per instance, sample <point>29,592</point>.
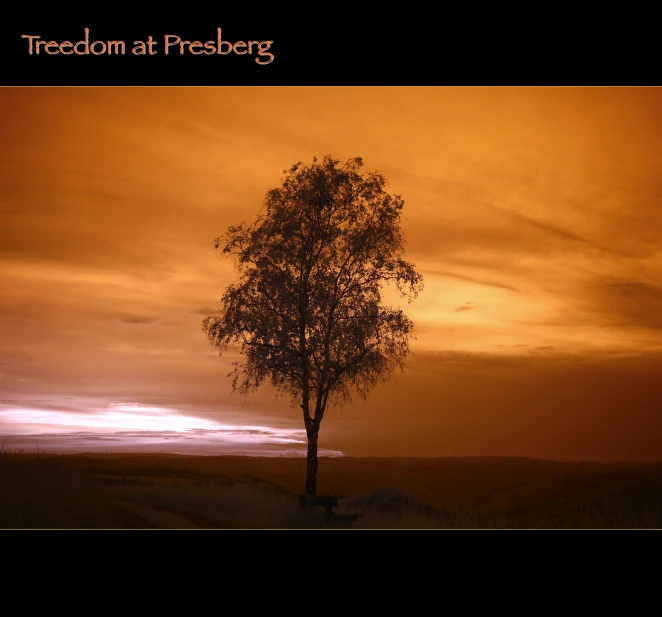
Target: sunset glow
<point>531,213</point>
<point>126,427</point>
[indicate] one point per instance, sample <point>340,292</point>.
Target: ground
<point>202,492</point>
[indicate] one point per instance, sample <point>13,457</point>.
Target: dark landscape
<point>139,491</point>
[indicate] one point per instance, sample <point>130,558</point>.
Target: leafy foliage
<point>306,310</point>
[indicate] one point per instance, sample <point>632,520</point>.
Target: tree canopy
<point>306,310</point>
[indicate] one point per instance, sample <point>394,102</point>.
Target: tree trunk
<point>311,467</point>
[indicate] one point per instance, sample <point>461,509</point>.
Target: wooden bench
<point>328,502</point>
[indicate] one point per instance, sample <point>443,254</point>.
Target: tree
<point>306,310</point>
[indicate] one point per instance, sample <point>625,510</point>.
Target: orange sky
<point>531,213</point>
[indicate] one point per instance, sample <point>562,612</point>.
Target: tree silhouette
<point>306,310</point>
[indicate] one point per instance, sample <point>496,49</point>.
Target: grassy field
<point>36,492</point>
<point>202,492</point>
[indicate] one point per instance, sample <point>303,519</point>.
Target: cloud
<point>470,279</point>
<point>199,444</point>
<point>593,406</point>
<point>137,319</point>
<point>131,426</point>
<point>623,305</point>
<point>203,311</point>
<point>562,234</point>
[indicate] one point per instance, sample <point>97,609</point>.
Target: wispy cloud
<point>137,319</point>
<point>128,426</point>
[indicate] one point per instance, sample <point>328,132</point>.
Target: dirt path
<point>137,516</point>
